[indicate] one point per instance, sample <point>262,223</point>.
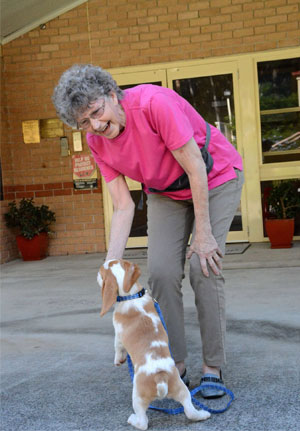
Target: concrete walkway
<point>57,353</point>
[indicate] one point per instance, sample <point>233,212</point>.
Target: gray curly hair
<point>78,87</point>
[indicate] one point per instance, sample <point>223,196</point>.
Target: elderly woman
<point>154,136</point>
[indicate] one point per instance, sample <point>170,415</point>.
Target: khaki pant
<point>170,224</point>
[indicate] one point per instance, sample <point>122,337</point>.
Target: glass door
<point>212,90</point>
<point>279,112</point>
<point>138,233</point>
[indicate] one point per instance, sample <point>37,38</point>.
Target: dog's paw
<point>199,415</point>
<point>118,363</point>
<point>120,358</point>
<point>139,423</point>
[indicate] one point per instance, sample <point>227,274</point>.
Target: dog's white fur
<point>139,331</point>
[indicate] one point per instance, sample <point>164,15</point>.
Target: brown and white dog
<point>139,331</point>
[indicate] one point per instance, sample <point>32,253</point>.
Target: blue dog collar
<point>137,295</point>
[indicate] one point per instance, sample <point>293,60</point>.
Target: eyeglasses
<point>95,115</point>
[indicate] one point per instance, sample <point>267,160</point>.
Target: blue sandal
<point>212,380</point>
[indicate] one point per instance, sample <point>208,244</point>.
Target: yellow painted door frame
<point>250,139</point>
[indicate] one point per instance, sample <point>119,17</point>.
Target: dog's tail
<point>161,380</point>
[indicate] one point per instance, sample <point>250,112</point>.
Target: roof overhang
<point>21,16</point>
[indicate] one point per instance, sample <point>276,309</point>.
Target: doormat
<point>138,253</point>
<point>236,248</point>
<point>141,253</point>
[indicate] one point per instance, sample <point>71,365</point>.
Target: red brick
<point>50,47</point>
<point>34,187</point>
<point>44,193</point>
<point>20,195</point>
<point>9,196</point>
<point>8,188</point>
<point>19,188</point>
<point>62,192</point>
<point>68,185</point>
<point>81,192</point>
<point>53,186</point>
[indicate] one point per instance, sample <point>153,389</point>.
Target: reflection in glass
<point>212,97</point>
<point>277,80</point>
<point>279,96</point>
<point>280,137</point>
<point>139,224</point>
<point>237,222</point>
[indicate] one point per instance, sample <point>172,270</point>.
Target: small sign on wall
<point>84,172</point>
<point>51,128</point>
<point>31,131</point>
<point>77,141</point>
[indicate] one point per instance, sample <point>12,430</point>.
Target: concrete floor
<point>57,353</point>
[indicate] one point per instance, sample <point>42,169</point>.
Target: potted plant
<point>283,202</point>
<point>32,224</point>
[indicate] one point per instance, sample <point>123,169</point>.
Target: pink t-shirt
<point>158,121</point>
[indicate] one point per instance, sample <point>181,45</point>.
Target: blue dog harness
<point>194,391</point>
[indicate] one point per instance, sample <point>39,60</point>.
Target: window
<point>279,97</point>
<point>212,97</point>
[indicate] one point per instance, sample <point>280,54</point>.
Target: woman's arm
<point>122,217</point>
<point>204,244</point>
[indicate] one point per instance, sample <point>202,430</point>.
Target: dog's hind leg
<point>139,418</point>
<point>183,396</point>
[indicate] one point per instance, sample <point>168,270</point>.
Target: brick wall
<point>8,245</point>
<point>150,31</point>
<point>78,227</point>
<point>113,33</point>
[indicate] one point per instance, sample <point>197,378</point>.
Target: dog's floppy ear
<point>109,290</point>
<point>132,273</point>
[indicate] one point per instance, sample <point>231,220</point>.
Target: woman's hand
<point>209,252</point>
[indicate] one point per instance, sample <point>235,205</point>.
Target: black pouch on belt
<point>182,182</point>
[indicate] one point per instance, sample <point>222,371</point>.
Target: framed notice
<point>31,131</point>
<point>84,172</point>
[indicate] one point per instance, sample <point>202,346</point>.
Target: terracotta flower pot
<point>35,248</point>
<point>280,232</point>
